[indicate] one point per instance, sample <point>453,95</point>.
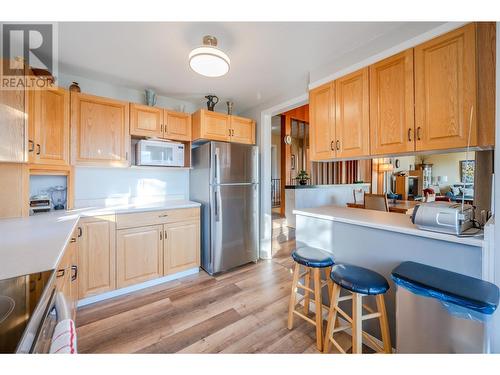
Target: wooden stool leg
<point>319,315</point>
<point>332,317</point>
<point>357,323</point>
<point>384,324</point>
<point>329,282</point>
<point>307,295</point>
<point>291,306</point>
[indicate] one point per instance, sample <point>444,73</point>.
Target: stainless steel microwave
<point>159,153</point>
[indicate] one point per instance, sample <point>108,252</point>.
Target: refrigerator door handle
<point>216,164</point>
<point>216,206</point>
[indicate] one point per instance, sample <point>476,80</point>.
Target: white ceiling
<point>266,58</point>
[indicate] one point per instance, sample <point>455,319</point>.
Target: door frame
<point>264,141</point>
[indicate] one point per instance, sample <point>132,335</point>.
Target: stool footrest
<point>344,314</point>
<point>370,316</point>
<point>299,285</point>
<point>337,345</point>
<point>305,317</point>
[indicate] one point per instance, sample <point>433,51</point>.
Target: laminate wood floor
<point>243,311</point>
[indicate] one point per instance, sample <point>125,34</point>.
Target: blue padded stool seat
<point>358,279</point>
<point>312,257</point>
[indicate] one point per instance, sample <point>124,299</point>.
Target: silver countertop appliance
<point>444,217</point>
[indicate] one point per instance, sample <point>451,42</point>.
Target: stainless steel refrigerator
<point>225,180</point>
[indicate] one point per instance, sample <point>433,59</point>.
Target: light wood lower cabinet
<point>139,255</point>
<point>67,276</point>
<point>181,246</point>
<point>97,256</point>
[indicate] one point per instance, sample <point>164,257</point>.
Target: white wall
<point>100,88</point>
<point>111,186</point>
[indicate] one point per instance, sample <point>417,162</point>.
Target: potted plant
<point>302,177</point>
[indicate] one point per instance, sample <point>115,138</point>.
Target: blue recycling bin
<point>439,311</point>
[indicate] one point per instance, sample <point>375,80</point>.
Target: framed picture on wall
<point>467,168</point>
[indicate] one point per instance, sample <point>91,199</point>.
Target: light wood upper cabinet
<point>99,130</point>
<point>13,126</point>
<point>139,255</point>
<point>181,246</point>
<point>97,256</point>
<point>177,125</point>
<point>146,121</point>
<point>211,125</point>
<point>445,90</point>
<point>392,105</point>
<point>49,126</point>
<point>322,122</point>
<point>352,122</point>
<point>242,130</point>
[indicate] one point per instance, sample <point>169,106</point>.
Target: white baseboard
<point>324,314</point>
<point>133,288</point>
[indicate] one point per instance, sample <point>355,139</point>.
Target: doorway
<point>289,156</point>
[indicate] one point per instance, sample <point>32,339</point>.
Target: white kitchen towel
<point>64,339</point>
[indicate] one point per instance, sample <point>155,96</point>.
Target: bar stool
<point>313,260</point>
<point>360,282</point>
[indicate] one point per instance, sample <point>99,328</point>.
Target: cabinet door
<point>211,125</point>
<point>49,130</point>
<point>96,257</point>
<point>100,130</point>
<point>12,125</point>
<point>139,255</point>
<point>242,130</point>
<point>181,246</point>
<point>352,125</point>
<point>445,90</point>
<point>177,126</point>
<point>146,121</point>
<point>322,122</point>
<point>392,105</point>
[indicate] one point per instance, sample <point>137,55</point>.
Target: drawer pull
<point>60,273</point>
<point>163,215</point>
<point>73,240</point>
<point>74,270</point>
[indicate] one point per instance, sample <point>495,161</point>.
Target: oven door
<point>57,310</point>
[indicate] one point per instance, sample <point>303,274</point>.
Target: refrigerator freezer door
<point>234,229</point>
<point>234,163</point>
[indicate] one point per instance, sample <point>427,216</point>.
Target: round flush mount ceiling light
<point>208,60</point>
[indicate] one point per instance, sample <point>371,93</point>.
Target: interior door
<point>235,225</point>
<point>234,163</point>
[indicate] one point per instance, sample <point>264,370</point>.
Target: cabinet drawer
<point>138,219</point>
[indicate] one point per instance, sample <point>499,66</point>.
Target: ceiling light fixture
<point>208,60</point>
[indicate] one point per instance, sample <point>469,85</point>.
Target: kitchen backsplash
<point>116,186</point>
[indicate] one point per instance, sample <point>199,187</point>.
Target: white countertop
<point>36,243</point>
<point>388,221</point>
